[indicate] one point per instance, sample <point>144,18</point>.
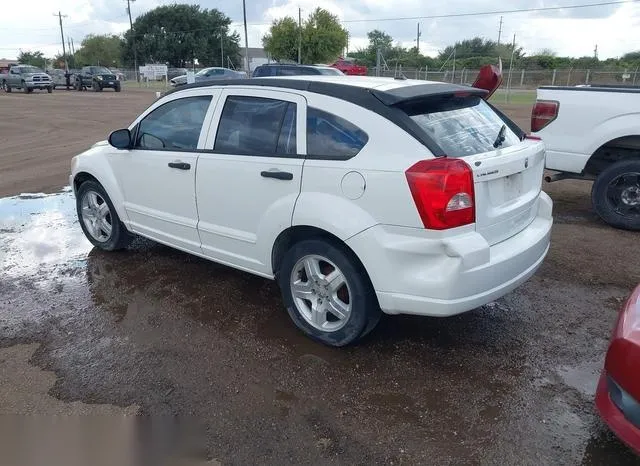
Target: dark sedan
<point>210,74</point>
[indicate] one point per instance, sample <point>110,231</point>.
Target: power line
<point>495,12</point>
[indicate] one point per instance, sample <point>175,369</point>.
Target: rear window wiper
<point>501,137</point>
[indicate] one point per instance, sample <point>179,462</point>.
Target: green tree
<point>323,38</point>
<point>480,47</point>
<point>379,40</point>
<point>32,58</point>
<point>179,34</point>
<point>282,41</point>
<point>100,50</point>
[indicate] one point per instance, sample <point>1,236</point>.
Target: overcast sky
<point>614,28</point>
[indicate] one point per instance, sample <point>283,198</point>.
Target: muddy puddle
<point>173,334</point>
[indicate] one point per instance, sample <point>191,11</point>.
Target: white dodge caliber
<point>358,195</point>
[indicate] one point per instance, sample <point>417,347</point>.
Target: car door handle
<point>180,165</point>
<point>278,175</point>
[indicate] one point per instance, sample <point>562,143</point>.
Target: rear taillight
<point>543,113</point>
<point>443,191</point>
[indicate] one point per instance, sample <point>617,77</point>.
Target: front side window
<point>175,125</point>
<point>332,137</point>
<point>257,126</point>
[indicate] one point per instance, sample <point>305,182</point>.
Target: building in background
<point>257,57</point>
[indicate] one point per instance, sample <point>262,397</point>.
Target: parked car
<point>618,392</point>
<point>175,72</point>
<point>593,133</point>
<point>350,67</point>
<point>96,78</point>
<point>27,78</point>
<point>210,74</point>
<point>280,69</point>
<point>416,197</point>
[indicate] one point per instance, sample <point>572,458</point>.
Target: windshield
<point>30,69</point>
<point>330,71</point>
<point>461,125</point>
<point>100,70</point>
<point>203,72</point>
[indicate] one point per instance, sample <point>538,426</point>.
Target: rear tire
<point>101,225</point>
<point>334,303</point>
<point>616,195</point>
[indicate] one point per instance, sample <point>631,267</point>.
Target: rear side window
<point>461,125</point>
<point>257,126</point>
<point>332,137</point>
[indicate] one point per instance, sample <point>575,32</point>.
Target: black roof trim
<point>384,103</point>
<point>403,94</point>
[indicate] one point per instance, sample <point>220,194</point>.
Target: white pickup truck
<point>593,133</point>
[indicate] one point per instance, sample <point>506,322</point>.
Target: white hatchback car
<point>358,195</point>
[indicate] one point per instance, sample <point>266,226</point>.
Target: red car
<point>618,394</point>
<point>349,67</point>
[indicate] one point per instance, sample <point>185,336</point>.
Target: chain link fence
<point>520,79</point>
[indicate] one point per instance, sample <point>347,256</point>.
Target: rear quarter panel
<point>325,200</point>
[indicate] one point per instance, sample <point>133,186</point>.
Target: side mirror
<point>120,139</point>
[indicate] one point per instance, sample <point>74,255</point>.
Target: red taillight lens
<point>543,113</point>
<point>443,191</point>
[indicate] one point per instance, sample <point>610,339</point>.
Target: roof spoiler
<point>489,78</point>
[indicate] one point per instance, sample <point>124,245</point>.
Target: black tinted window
<point>175,125</point>
<point>330,136</point>
<point>264,71</point>
<point>256,126</point>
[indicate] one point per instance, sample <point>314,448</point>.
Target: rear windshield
<point>461,125</point>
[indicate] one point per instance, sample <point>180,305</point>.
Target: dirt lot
<point>155,331</point>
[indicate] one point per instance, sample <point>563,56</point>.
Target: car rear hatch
<point>507,166</point>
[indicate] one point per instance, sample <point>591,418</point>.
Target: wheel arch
<point>296,233</point>
<point>83,175</point>
<point>612,151</point>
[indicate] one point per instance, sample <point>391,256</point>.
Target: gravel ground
<point>155,331</point>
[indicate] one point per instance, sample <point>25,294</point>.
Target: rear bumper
<point>416,272</point>
<point>615,418</point>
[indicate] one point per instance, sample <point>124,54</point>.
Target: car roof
<point>380,95</point>
<point>390,90</point>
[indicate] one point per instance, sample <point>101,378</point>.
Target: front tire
<point>616,195</point>
<point>327,292</point>
<point>25,89</point>
<point>99,219</point>
<point>50,89</point>
<point>6,87</point>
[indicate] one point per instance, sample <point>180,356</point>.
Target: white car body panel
<point>223,209</point>
<point>586,121</point>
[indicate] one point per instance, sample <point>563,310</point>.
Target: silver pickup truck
<point>27,78</point>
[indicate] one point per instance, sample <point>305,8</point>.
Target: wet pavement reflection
<point>510,383</point>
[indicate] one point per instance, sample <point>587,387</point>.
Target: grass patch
<point>517,97</point>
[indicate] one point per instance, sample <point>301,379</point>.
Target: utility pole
<point>299,35</point>
<point>222,49</point>
<point>133,38</point>
<point>246,39</point>
<point>418,39</point>
<point>595,52</point>
<point>73,47</point>
<point>500,31</point>
<point>64,50</point>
